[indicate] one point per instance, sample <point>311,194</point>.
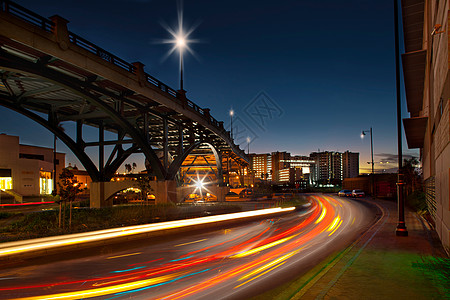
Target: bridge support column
<point>220,192</point>
<point>101,192</point>
<point>97,195</point>
<point>166,191</point>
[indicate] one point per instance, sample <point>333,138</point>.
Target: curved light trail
<point>229,263</point>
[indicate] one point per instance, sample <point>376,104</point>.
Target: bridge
<point>54,76</point>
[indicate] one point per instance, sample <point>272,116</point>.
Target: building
<point>301,168</point>
<point>350,164</point>
<point>279,162</point>
<point>27,170</point>
<point>329,167</point>
<point>426,64</point>
<point>281,167</point>
<point>320,167</point>
<point>261,164</point>
<point>385,184</point>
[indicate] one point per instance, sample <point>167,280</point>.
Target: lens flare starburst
<point>180,39</point>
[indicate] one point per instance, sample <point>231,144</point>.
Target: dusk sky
<point>325,68</point>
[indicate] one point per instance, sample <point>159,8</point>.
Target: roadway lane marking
<point>130,254</point>
<point>190,243</point>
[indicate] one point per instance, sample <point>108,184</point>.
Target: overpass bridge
<point>53,76</point>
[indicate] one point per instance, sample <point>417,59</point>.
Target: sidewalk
<point>381,265</point>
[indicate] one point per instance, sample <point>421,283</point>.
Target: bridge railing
<point>100,52</point>
<point>48,25</point>
<point>26,15</point>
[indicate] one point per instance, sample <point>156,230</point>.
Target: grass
<point>436,269</point>
<point>296,200</point>
<point>6,215</point>
<point>45,223</point>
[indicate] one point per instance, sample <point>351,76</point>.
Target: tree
<point>69,187</point>
<point>411,174</point>
<point>127,168</point>
<point>134,166</point>
<point>144,185</point>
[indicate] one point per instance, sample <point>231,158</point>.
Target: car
<point>245,193</point>
<point>358,193</point>
<point>345,193</point>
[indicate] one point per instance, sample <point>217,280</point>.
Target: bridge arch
<point>14,65</point>
<point>176,164</point>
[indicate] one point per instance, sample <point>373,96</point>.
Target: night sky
<point>317,72</point>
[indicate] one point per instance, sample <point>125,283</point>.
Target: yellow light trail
<point>104,291</point>
<point>322,215</point>
<point>260,274</point>
<point>340,222</point>
<point>266,266</point>
<point>333,224</point>
<point>130,254</point>
<point>190,243</point>
<point>264,247</point>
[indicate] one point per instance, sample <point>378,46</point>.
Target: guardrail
<point>26,15</point>
<point>48,25</point>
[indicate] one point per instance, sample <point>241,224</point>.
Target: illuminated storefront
<point>45,183</point>
<point>5,179</point>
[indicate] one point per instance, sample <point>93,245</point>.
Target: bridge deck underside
<point>52,92</point>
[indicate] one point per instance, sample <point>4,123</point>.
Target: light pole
<point>181,44</point>
<point>401,226</point>
<point>248,145</point>
<point>231,122</point>
<point>363,133</point>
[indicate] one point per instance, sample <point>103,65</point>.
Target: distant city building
<point>350,164</point>
<point>281,167</point>
<point>329,167</point>
<point>27,170</point>
<point>279,162</point>
<point>261,164</point>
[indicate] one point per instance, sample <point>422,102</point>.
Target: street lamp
<point>181,44</point>
<point>363,133</point>
<point>231,122</point>
<point>401,226</point>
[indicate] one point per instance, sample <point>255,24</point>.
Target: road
<point>233,263</point>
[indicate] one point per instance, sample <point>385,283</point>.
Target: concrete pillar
<point>220,192</point>
<point>140,73</point>
<point>101,192</point>
<point>166,191</point>
<point>97,195</point>
<point>60,31</point>
<point>207,114</point>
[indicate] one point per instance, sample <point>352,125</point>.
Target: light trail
<point>80,238</point>
<point>241,258</point>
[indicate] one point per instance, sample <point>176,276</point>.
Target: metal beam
<point>10,62</point>
<point>108,143</point>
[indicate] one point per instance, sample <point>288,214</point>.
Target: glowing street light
<point>231,121</point>
<point>363,133</point>
<point>180,41</point>
<point>181,44</point>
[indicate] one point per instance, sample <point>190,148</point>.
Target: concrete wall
<point>436,150</point>
<point>25,172</point>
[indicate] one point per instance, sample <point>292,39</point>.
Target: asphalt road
<point>232,263</point>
